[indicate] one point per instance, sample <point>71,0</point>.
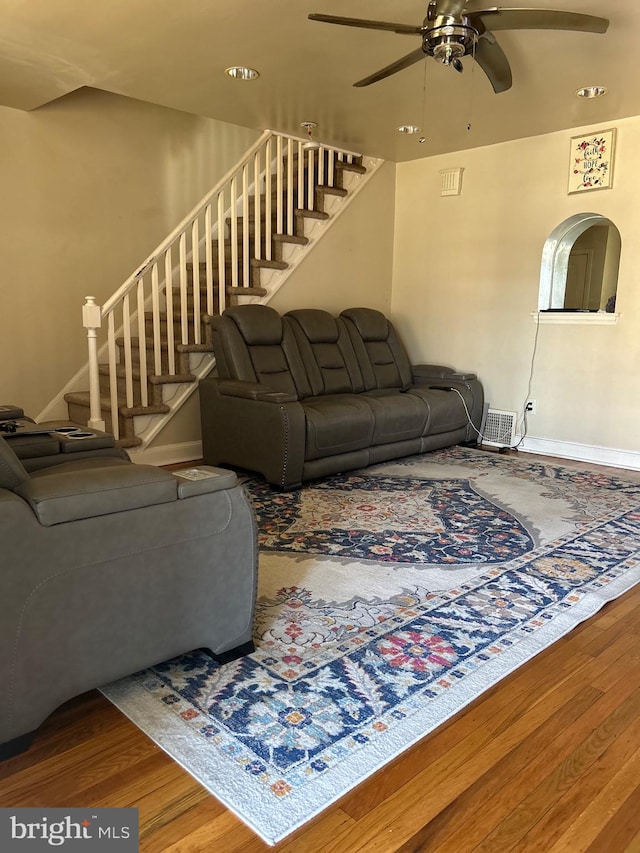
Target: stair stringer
<point>174,395</point>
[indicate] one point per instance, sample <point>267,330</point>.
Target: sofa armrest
<point>253,391</point>
<point>204,479</point>
<point>424,373</point>
<point>57,496</point>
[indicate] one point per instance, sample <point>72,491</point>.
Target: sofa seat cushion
<point>337,423</point>
<point>445,407</point>
<point>398,416</point>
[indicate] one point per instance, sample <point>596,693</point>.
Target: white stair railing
<point>154,319</point>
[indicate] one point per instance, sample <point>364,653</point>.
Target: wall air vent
<point>499,428</point>
<point>451,181</point>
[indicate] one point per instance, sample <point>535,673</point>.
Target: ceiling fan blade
<point>403,29</point>
<point>398,65</point>
<point>540,19</point>
<point>491,58</point>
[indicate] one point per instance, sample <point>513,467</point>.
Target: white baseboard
<point>168,454</point>
<point>582,452</point>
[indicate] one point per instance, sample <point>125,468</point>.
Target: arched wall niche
<point>580,260</point>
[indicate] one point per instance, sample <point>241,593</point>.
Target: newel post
<point>92,321</point>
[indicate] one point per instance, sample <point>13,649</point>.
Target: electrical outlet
<point>530,407</point>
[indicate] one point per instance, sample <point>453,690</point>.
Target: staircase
<point>238,245</point>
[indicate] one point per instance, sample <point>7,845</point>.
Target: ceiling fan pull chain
<point>472,85</point>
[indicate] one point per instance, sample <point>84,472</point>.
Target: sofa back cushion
<point>382,358</point>
<point>326,350</point>
<point>252,343</point>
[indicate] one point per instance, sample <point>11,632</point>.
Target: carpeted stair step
<point>342,166</point>
<point>264,263</point>
<point>305,213</point>
<point>177,322</point>
<point>325,189</point>
<point>295,239</point>
<point>182,360</point>
<point>154,383</point>
<point>358,168</point>
<point>234,292</point>
<point>255,264</point>
<point>304,216</point>
<point>81,399</point>
<point>176,302</point>
<point>79,411</point>
<point>215,245</point>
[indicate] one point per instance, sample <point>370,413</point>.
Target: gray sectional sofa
<point>307,394</point>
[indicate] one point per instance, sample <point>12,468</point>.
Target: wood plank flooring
<point>546,761</point>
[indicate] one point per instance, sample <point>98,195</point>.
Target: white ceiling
<point>174,52</point>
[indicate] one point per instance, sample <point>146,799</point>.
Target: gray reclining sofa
<point>108,568</point>
<point>308,394</point>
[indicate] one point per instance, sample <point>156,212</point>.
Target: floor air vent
<point>499,428</point>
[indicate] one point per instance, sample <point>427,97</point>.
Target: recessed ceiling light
<point>591,92</point>
<point>241,72</point>
<point>408,128</point>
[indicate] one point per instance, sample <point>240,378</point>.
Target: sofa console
<point>307,394</point>
<point>40,445</point>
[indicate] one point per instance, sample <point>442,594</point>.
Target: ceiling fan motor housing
<point>449,39</point>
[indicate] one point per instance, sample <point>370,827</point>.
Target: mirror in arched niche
<point>580,263</point>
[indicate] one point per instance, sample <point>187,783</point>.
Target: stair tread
<point>329,190</point>
<point>351,167</point>
<point>131,441</point>
<point>311,214</point>
<point>157,379</point>
<point>269,264</point>
<point>247,291</point>
<point>81,398</point>
<point>298,239</point>
<point>194,348</point>
<point>149,346</point>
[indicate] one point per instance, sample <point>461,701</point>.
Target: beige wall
<point>353,263</point>
<point>466,276</point>
<point>90,185</point>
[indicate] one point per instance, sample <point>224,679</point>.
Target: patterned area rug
<point>389,599</point>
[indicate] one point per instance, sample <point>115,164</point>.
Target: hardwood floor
<point>547,761</point>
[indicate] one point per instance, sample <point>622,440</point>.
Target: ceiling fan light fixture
<point>241,72</point>
<point>408,129</point>
<point>591,92</point>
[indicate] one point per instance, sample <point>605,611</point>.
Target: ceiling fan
<point>453,29</point>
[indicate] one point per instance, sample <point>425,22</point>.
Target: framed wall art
<point>591,161</point>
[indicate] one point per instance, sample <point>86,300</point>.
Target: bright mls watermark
<point>80,830</point>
